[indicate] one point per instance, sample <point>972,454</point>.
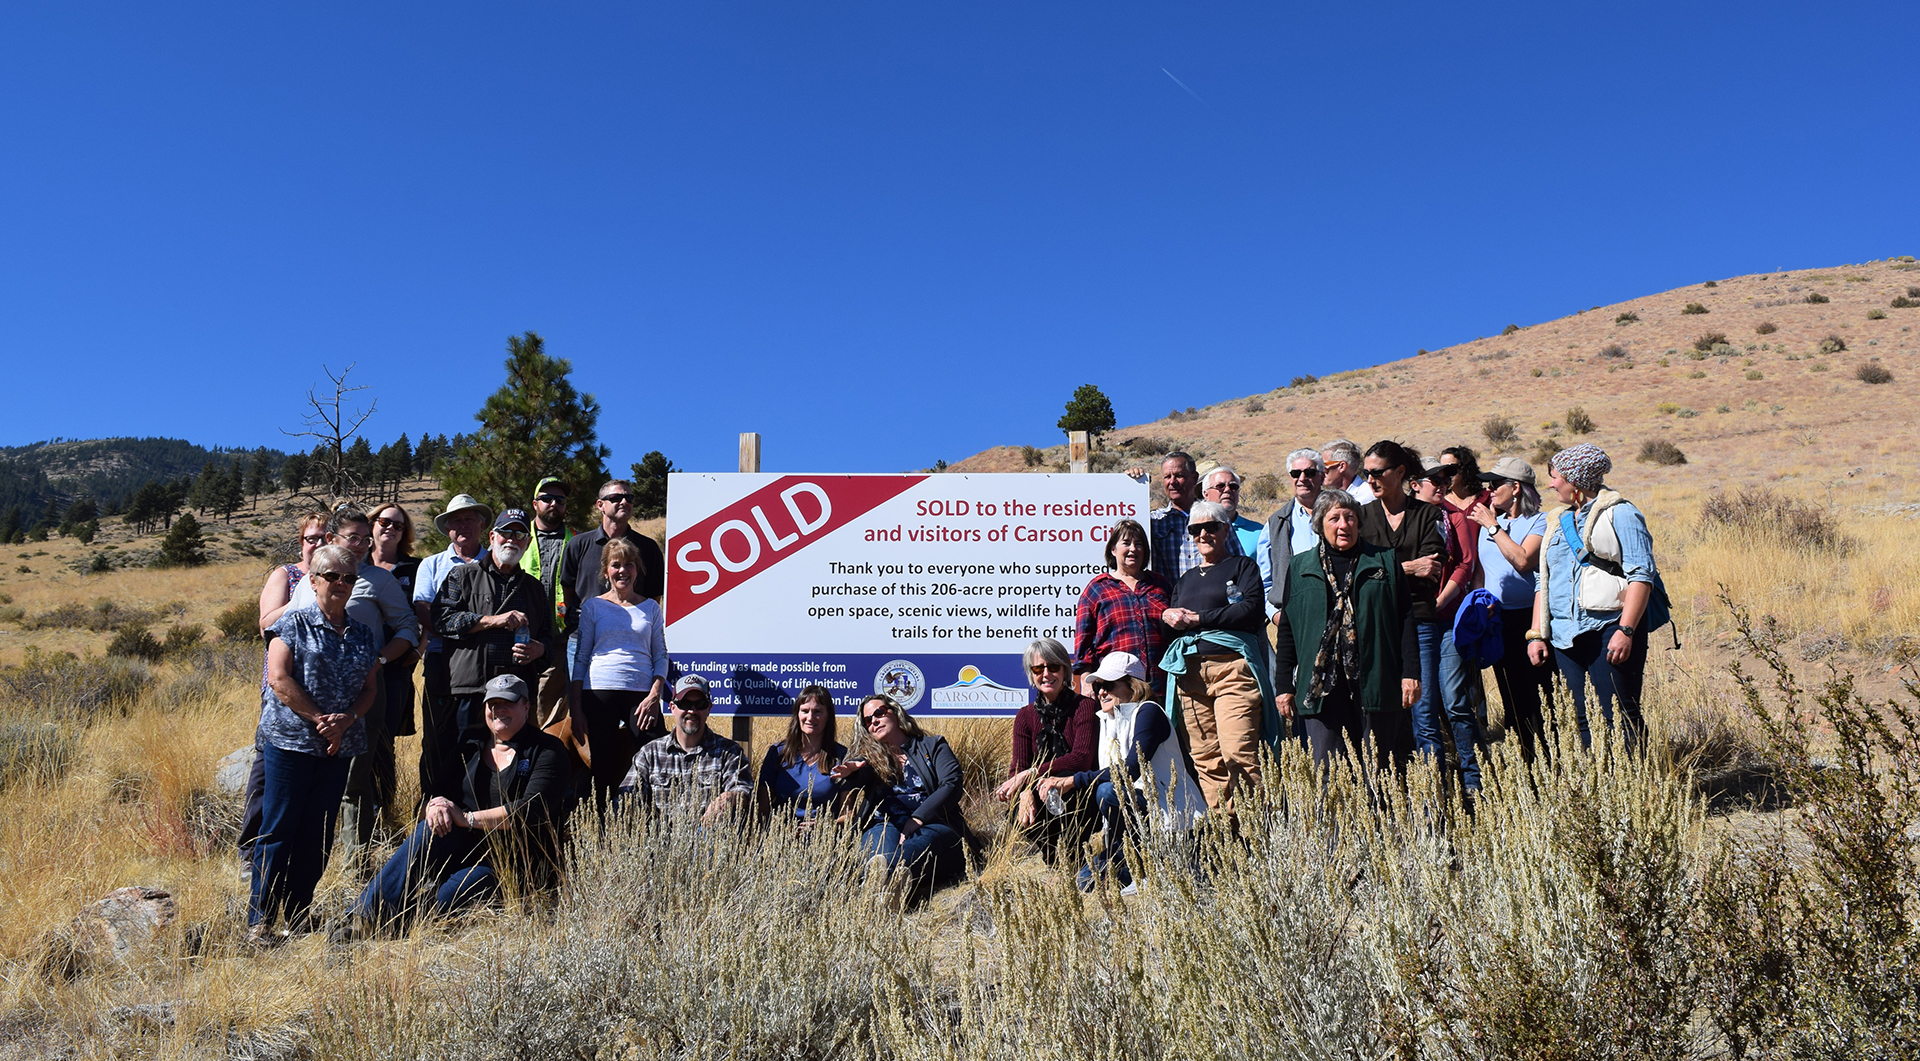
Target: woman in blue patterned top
<point>795,776</point>
<point>321,679</point>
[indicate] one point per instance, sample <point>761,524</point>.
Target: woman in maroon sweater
<point>1052,737</point>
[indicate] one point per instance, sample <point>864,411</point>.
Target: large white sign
<point>925,587</point>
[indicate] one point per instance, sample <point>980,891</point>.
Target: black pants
<point>1342,728</point>
<point>612,738</point>
<point>1617,686</point>
<point>439,733</point>
<point>1527,690</point>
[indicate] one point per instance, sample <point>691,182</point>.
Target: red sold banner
<point>765,527</point>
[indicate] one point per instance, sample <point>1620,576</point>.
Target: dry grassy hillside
<point>1763,409</point>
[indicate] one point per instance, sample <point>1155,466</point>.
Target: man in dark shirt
<point>480,612</point>
<point>580,576</point>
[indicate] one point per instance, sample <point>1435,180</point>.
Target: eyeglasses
<point>314,539</point>
<point>616,499</point>
<point>552,499</point>
<point>335,577</point>
<point>1303,473</point>
<point>388,524</point>
<point>1197,529</point>
<point>869,720</point>
<point>1223,488</point>
<point>1047,668</point>
<point>354,539</point>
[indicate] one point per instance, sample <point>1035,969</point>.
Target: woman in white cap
<point>1511,529</point>
<point>1219,687</point>
<point>1133,752</point>
<point>1599,593</point>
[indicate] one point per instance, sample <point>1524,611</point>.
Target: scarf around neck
<point>1337,663</point>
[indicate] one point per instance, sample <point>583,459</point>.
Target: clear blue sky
<point>882,234</point>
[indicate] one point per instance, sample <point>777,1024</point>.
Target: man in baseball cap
<point>542,561</point>
<point>692,766</point>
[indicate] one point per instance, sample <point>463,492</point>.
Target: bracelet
<point>1535,635</point>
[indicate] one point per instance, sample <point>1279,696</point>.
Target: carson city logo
<point>975,690</point>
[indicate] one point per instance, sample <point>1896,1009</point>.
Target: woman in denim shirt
<point>1604,646</point>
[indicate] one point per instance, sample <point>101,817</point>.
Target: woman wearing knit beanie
<point>1599,593</point>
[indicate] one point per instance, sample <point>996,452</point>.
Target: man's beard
<point>506,555</point>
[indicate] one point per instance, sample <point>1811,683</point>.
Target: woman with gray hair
<point>1348,655</point>
<point>1220,692</point>
<point>1054,736</point>
<point>1510,533</point>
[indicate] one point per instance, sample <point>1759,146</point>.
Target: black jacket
<point>537,790</point>
<point>1417,536</point>
<point>580,576</point>
<point>939,770</point>
<point>474,591</point>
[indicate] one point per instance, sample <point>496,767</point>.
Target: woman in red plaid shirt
<point>1119,611</point>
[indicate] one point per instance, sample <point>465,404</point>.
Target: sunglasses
<point>1446,471</point>
<point>1197,529</point>
<point>1303,473</point>
<point>388,524</point>
<point>552,499</point>
<point>1495,484</point>
<point>1046,668</point>
<point>1222,487</point>
<point>314,539</point>
<point>1377,473</point>
<point>616,499</point>
<point>869,720</point>
<point>694,703</point>
<point>335,577</point>
<point>512,535</point>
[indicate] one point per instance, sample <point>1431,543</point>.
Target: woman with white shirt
<point>1133,733</point>
<point>617,693</point>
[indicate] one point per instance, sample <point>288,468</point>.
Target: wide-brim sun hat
<point>463,503</point>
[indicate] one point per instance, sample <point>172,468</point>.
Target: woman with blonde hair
<point>622,677</point>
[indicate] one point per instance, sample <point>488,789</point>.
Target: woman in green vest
<point>1347,665</point>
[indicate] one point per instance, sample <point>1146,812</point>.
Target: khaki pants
<point>551,696</point>
<point>1222,718</point>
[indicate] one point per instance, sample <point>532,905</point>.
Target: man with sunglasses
<point>580,574</point>
<point>691,764</point>
<point>1340,461</point>
<point>1290,529</point>
<point>494,619</point>
<point>1222,487</point>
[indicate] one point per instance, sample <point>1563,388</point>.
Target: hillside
<point>1770,408</point>
<point>107,469</point>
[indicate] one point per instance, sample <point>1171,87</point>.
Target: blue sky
<point>883,234</point>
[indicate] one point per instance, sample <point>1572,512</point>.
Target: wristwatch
<point>1627,630</point>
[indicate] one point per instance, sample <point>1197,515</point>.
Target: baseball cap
<point>1510,468</point>
<point>691,683</point>
<point>507,687</point>
<point>511,517</point>
<point>559,486</point>
<point>1117,665</point>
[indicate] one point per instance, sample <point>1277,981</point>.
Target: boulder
<point>230,774</point>
<point>118,925</point>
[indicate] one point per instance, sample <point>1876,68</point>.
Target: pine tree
<point>535,425</point>
<point>10,524</point>
<point>650,485</point>
<point>1089,411</point>
<point>229,492</point>
<point>293,472</point>
<point>363,468</point>
<point>260,474</point>
<point>183,546</point>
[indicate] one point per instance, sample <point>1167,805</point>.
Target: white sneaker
<point>1131,889</point>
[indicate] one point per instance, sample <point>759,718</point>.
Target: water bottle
<point>1234,596</point>
<point>522,636</point>
<point>1055,805</point>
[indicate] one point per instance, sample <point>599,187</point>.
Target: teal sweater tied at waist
<point>1273,728</point>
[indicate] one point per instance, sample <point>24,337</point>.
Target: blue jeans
<point>1456,698</point>
<point>1586,660</point>
<point>453,866</point>
<point>1113,824</point>
<point>1426,710</point>
<point>297,811</point>
<point>932,854</point>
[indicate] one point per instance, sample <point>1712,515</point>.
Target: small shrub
<point>182,638</point>
<point>1543,450</point>
<point>1509,329</point>
<point>1535,373</point>
<point>1626,318</point>
<point>34,752</point>
<point>1685,414</point>
<point>1913,292</point>
<point>1832,344</point>
<point>1723,408</point>
<point>65,687</point>
<point>1031,455</point>
<point>1613,350</point>
<point>1255,405</point>
<point>1499,430</point>
<point>1711,283</point>
<point>1309,380</point>
<point>1264,487</point>
<point>1706,341</point>
<point>1765,514</point>
<point>12,613</point>
<point>135,642</point>
<point>1904,302</point>
<point>1872,372</point>
<point>1694,309</point>
<point>1821,367</point>
<point>1662,452</point>
<point>1666,408</point>
<point>1816,298</point>
<point>1765,328</point>
<point>1876,314</point>
<point>99,565</point>
<point>1696,374</point>
<point>1754,373</point>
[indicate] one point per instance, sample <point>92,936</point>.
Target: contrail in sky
<point>1182,84</point>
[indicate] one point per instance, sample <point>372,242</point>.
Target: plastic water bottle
<point>522,636</point>
<point>1056,805</point>
<point>1234,596</point>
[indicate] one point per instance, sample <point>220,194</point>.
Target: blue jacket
<point>1476,629</point>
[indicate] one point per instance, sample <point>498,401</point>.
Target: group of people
<point>1357,619</point>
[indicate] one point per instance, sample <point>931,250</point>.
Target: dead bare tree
<point>334,427</point>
